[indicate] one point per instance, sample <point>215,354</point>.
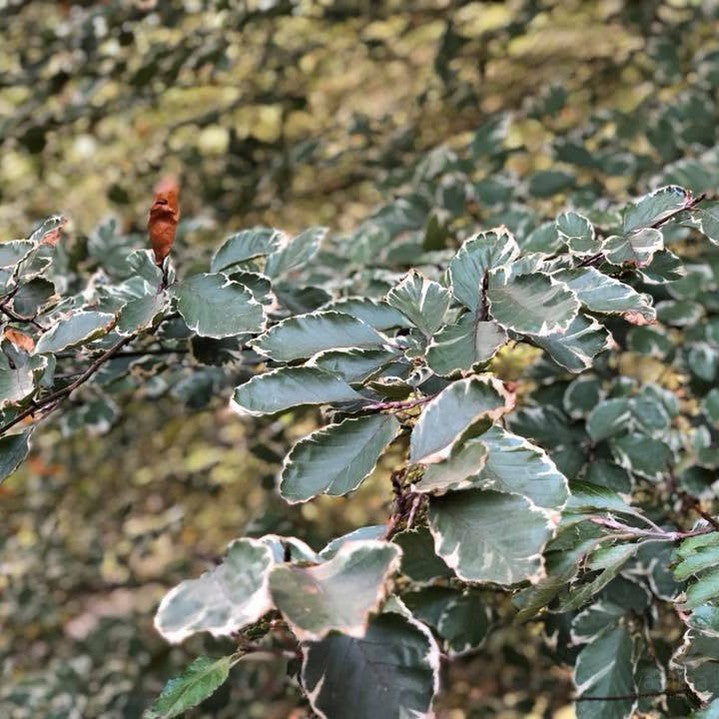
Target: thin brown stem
<point>53,400</point>
<point>400,404</point>
<point>19,318</point>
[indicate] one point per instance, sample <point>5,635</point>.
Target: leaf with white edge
<point>375,313</point>
<point>302,336</point>
<point>642,455</point>
<point>32,296</point>
<point>446,417</point>
<point>420,563</point>
<point>337,595</point>
<point>199,681</point>
<point>576,348</point>
<point>372,531</point>
<point>477,256</point>
<point>223,600</point>
<point>532,304</point>
<point>13,450</point>
<point>334,460</point>
<point>516,465</point>
<point>464,344</point>
<point>423,301</point>
<point>578,232</point>
<point>245,245</point>
<point>393,671</point>
<point>296,252</point>
<point>698,658</point>
<point>458,471</point>
<point>464,624</point>
<point>608,561</point>
<point>212,305</point>
<point>655,207</point>
<point>288,549</point>
<point>141,313</point>
<point>287,387</point>
<point>680,313</point>
<point>636,248</point>
<point>142,264</point>
<point>609,418</point>
<point>600,293</point>
<point>78,328</point>
<point>488,536</point>
<point>354,365</point>
<point>14,251</point>
<point>15,385</point>
<point>605,668</point>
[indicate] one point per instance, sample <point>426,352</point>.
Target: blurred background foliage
<point>288,113</point>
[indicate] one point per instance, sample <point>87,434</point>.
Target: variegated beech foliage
<point>581,492</point>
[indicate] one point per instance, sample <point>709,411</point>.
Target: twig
<point>400,404</point>
<point>693,202</point>
<point>639,695</point>
<point>648,533</point>
<point>54,399</point>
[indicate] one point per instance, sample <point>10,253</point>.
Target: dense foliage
<point>571,491</point>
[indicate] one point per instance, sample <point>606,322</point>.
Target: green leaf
<point>419,561</point>
<point>642,455</point>
<point>488,536</point>
<point>15,250</point>
<point>516,465</point>
<point>393,671</point>
<point>223,600</point>
<point>464,624</point>
<point>637,248</point>
<point>477,256</point>
<point>576,348</point>
<point>655,207</point>
<point>463,345</point>
<point>296,252</point>
<point>680,313</point>
<point>375,313</point>
<point>371,531</point>
<point>212,305</point>
<point>422,301</point>
<point>532,304</point>
<point>32,296</point>
<point>302,336</point>
<point>287,387</point>
<point>546,183</point>
<point>199,681</point>
<point>698,658</point>
<point>710,406</point>
<point>79,328</point>
<point>245,245</point>
<point>489,138</point>
<point>15,385</point>
<point>337,595</point>
<point>141,313</point>
<point>446,417</point>
<point>354,365</point>
<point>578,232</point>
<point>609,418</point>
<point>458,471</point>
<point>13,450</point>
<point>600,293</point>
<point>334,460</point>
<point>605,668</point>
